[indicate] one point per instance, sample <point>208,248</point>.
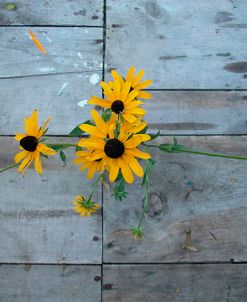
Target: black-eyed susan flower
<point>84,159</point>
<point>135,81</point>
<point>117,149</point>
<point>121,100</point>
<point>84,207</point>
<point>30,145</point>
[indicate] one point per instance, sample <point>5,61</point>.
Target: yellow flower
<point>84,158</point>
<point>118,151</point>
<point>84,207</point>
<point>135,82</point>
<point>121,100</point>
<point>30,145</point>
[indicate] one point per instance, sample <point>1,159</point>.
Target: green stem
<point>63,146</point>
<point>173,149</point>
<point>94,187</point>
<point>144,205</point>
<point>9,167</point>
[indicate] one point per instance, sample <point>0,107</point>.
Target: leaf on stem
<point>63,157</point>
<point>148,170</point>
<point>154,136</point>
<point>77,131</point>
<point>106,114</point>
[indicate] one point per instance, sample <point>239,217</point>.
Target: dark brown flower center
<point>117,106</point>
<point>29,143</point>
<point>114,148</point>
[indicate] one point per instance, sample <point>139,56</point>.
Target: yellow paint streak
<point>36,42</point>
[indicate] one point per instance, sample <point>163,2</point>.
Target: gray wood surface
<point>77,50</point>
<point>50,283</point>
<point>58,96</point>
<point>37,221</point>
<point>180,44</point>
<point>55,12</point>
<point>197,112</point>
<point>169,283</point>
<point>172,112</point>
<point>204,194</point>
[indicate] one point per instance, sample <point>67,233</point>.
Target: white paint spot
<point>47,38</point>
<point>62,88</point>
<point>79,75</point>
<point>94,79</point>
<point>85,31</point>
<point>46,69</point>
<point>82,103</point>
<point>75,65</point>
<point>80,55</point>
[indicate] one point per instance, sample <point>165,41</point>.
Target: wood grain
<point>69,50</point>
<point>55,12</point>
<point>38,283</point>
<point>37,221</point>
<point>58,96</point>
<point>197,112</point>
<point>183,283</point>
<point>206,195</point>
<point>180,44</point>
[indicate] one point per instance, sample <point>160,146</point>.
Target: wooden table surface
<point>196,54</point>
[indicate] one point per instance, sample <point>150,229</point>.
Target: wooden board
<point>50,283</point>
<point>180,44</point>
<point>37,221</point>
<point>69,50</point>
<point>204,194</point>
<point>183,283</point>
<point>177,112</point>
<point>197,112</point>
<point>55,12</point>
<point>58,96</point>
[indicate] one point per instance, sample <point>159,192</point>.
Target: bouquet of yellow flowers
<point>113,142</point>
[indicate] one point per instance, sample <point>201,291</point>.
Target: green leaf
<point>154,136</point>
<point>171,148</point>
<point>57,147</point>
<point>78,148</point>
<point>143,131</point>
<point>63,157</point>
<point>77,131</point>
<point>106,114</point>
<point>147,171</point>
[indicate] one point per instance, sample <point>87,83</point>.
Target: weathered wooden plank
<point>206,195</point>
<point>38,283</point>
<point>183,283</point>
<point>180,44</point>
<point>176,112</point>
<point>37,221</point>
<point>68,50</point>
<point>58,96</point>
<point>198,112</point>
<point>56,12</point>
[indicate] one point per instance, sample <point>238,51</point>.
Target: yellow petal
<point>138,78</point>
<point>19,156</point>
<point>129,117</point>
<point>126,171</point>
<point>137,153</point>
<point>34,121</point>
<point>132,95</point>
<point>144,95</point>
<point>130,74</point>
<point>19,136</point>
<point>92,130</point>
<point>134,165</point>
<point>91,170</point>
<point>37,163</point>
<point>133,104</point>
<point>107,91</point>
<point>133,142</point>
<point>99,121</point>
<point>45,150</point>
<point>43,128</point>
<point>144,84</point>
<point>100,102</point>
<point>125,91</point>
<point>114,170</point>
<point>25,162</point>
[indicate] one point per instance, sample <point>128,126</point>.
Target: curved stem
<point>144,205</point>
<point>94,187</point>
<point>173,149</point>
<point>9,167</point>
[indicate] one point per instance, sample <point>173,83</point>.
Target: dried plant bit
<point>188,243</point>
<point>37,42</point>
